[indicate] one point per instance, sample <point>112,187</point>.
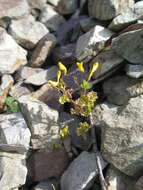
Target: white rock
<point>134,71</point>
<point>38,4</point>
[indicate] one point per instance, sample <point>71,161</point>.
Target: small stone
<point>36,30</point>
<point>81,172</point>
<point>122,46</point>
<point>42,121</point>
<point>13,170</point>
<point>42,50</point>
<point>50,18</point>
<point>108,9</point>
<point>15,134</point>
<point>42,77</point>
<point>37,4</point>
<point>90,43</point>
<point>13,8</point>
<point>12,56</point>
<point>134,71</point>
<point>139,184</point>
<point>46,163</point>
<point>67,7</point>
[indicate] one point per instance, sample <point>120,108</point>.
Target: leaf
<point>9,100</point>
<point>64,98</point>
<point>12,105</point>
<point>85,85</point>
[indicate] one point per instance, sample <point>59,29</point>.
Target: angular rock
<point>67,7</point>
<point>37,4</point>
<point>87,23</point>
<point>73,122</point>
<point>49,96</point>
<point>42,77</point>
<point>13,170</point>
<point>12,56</point>
<point>45,164</point>
<point>45,186</point>
<point>6,83</point>
<point>129,16</point>
<point>42,50</point>
<point>90,43</point>
<point>120,89</point>
<point>122,135</point>
<point>134,71</point>
<point>54,2</point>
<point>81,172</point>
<point>14,134</point>
<point>42,121</point>
<point>122,46</point>
<point>13,8</point>
<point>139,184</point>
<point>52,19</point>
<point>36,30</point>
<point>107,9</point>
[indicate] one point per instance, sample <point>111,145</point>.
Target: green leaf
<point>12,105</point>
<point>9,100</point>
<point>64,98</point>
<point>85,85</point>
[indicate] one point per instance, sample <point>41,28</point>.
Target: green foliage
<point>83,129</point>
<point>85,85</point>
<point>12,105</point>
<point>64,98</point>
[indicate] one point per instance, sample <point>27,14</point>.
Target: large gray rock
<point>139,184</point>
<point>12,56</point>
<point>14,133</point>
<point>107,9</point>
<point>42,121</point>
<point>38,4</point>
<point>27,32</point>
<point>52,19</point>
<point>134,71</point>
<point>127,17</point>
<point>48,185</point>
<point>123,45</point>
<point>81,172</point>
<point>90,43</point>
<point>67,7</point>
<point>120,89</point>
<point>13,170</point>
<point>122,140</point>
<point>13,8</point>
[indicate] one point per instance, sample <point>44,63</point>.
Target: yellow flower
<point>64,132</point>
<point>93,69</point>
<point>80,67</point>
<point>59,74</point>
<point>62,68</point>
<point>53,83</point>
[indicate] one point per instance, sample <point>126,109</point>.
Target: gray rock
<point>12,56</point>
<point>37,4</point>
<point>107,9</point>
<point>90,43</point>
<point>122,135</point>
<point>14,134</point>
<point>54,2</point>
<point>87,23</point>
<point>67,7</point>
<point>139,184</point>
<point>120,89</point>
<point>42,77</point>
<point>13,170</point>
<point>42,121</point>
<point>129,16</point>
<point>44,186</point>
<point>122,46</point>
<point>36,30</point>
<point>13,8</point>
<point>52,19</point>
<point>81,172</point>
<point>42,50</point>
<point>134,71</point>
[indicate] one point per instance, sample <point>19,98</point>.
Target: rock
<point>67,7</point>
<point>15,135</point>
<point>12,56</point>
<point>4,22</point>
<point>73,122</point>
<point>13,8</point>
<point>44,186</point>
<point>52,19</point>
<point>65,54</point>
<point>6,83</point>
<point>54,2</point>
<point>13,170</point>
<point>42,50</point>
<point>42,121</point>
<point>119,181</point>
<point>36,30</point>
<point>122,46</point>
<point>45,164</point>
<point>90,43</point>
<point>134,71</point>
<point>129,16</point>
<point>49,96</point>
<point>108,60</point>
<point>37,4</point>
<point>81,172</point>
<point>42,77</point>
<point>139,184</point>
<point>107,9</point>
<point>122,135</point>
<point>87,23</point>
<point>120,89</point>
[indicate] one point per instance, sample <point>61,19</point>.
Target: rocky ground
<point>34,36</point>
